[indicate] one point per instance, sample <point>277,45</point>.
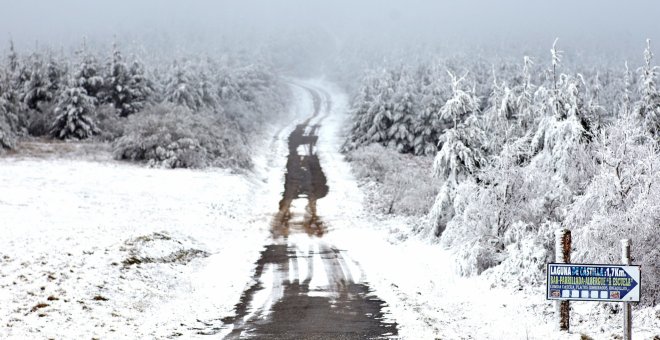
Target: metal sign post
<point>563,255</point>
<point>627,311</point>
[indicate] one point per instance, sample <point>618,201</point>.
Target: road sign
<point>593,282</point>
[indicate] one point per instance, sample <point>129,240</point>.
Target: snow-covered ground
<point>97,248</point>
<point>72,227</point>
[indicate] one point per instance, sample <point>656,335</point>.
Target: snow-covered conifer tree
<point>181,88</point>
<point>461,104</point>
<point>594,112</point>
<point>381,112</point>
<point>13,63</point>
<point>626,100</point>
<point>126,88</point>
<point>227,87</point>
<point>55,73</point>
<point>429,124</point>
<point>525,96</point>
<point>207,91</point>
<point>500,108</point>
<point>400,134</point>
<point>116,89</point>
<point>361,120</point>
<point>73,111</point>
<point>556,63</point>
<point>648,107</point>
<point>8,115</point>
<point>10,104</point>
<point>37,88</point>
<point>89,76</point>
<point>142,89</point>
<point>461,152</point>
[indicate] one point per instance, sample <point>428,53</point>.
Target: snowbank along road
<point>304,287</point>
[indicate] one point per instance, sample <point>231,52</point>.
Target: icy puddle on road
<point>303,287</point>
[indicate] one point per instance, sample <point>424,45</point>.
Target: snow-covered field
<point>72,230</point>
<point>72,227</point>
<point>96,248</point>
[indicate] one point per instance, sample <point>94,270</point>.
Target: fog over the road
<point>602,23</point>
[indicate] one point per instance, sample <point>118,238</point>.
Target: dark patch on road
<point>304,179</point>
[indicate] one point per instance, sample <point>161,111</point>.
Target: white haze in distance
<point>592,24</point>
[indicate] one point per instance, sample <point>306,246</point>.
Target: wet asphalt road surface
<point>303,287</point>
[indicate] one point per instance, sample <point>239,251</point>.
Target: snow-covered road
<point>304,287</point>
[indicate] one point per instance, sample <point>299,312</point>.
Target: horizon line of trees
<point>44,94</point>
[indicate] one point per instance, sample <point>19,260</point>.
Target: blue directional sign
<point>593,282</point>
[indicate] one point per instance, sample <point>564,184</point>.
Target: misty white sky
<point>609,22</point>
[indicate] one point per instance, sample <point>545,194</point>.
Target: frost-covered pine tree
<point>595,113</point>
<point>37,88</point>
<point>566,104</point>
<point>361,120</point>
<point>556,63</point>
<point>568,125</point>
<point>11,105</point>
<point>648,107</point>
<point>88,75</point>
<point>54,73</point>
<point>428,124</point>
<point>13,63</point>
<point>626,100</point>
<point>8,115</point>
<point>73,111</point>
<point>126,88</point>
<point>400,134</point>
<point>142,89</point>
<point>7,137</point>
<point>116,89</point>
<point>461,152</point>
<point>525,96</point>
<point>12,60</point>
<point>461,104</point>
<point>181,88</point>
<point>207,91</point>
<point>458,160</point>
<point>381,111</point>
<point>560,143</point>
<point>501,108</point>
<point>227,87</point>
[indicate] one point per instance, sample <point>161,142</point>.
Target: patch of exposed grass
<point>38,306</point>
<point>182,256</point>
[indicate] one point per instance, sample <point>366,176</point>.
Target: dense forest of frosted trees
<point>192,112</point>
<point>522,149</point>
